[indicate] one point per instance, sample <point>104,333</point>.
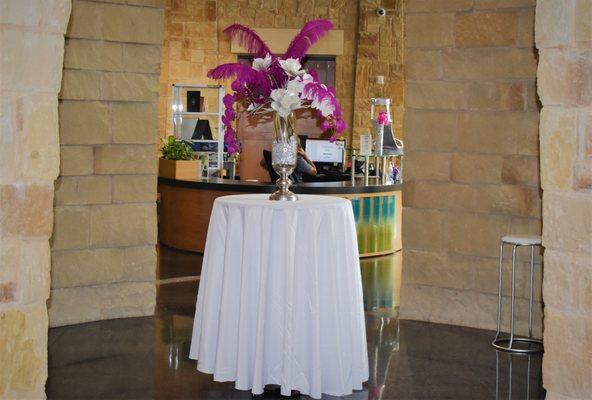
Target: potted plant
<point>178,160</point>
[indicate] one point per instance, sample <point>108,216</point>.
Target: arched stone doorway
<point>32,43</point>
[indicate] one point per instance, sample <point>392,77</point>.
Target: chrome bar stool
<point>508,343</point>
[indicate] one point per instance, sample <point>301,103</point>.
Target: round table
<point>280,296</point>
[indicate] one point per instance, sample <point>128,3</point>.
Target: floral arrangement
<point>382,118</point>
<point>277,84</point>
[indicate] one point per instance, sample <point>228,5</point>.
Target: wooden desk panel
<point>184,216</point>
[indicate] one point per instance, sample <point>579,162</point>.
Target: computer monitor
<point>324,152</point>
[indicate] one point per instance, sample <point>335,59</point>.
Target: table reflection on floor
<point>382,332</point>
<point>147,358</point>
<point>381,281</point>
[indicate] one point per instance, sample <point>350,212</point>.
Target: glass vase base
<point>279,195</point>
<point>283,192</point>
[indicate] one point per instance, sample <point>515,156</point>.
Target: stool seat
<point>523,240</point>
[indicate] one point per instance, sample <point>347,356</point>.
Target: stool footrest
<point>538,348</point>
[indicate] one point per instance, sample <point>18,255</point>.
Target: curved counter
<point>185,207</point>
<point>321,188</point>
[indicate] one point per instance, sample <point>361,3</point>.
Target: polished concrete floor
<point>174,263</point>
<point>147,358</point>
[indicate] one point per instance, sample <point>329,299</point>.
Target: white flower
<point>261,64</point>
<point>326,107</point>
<point>297,84</point>
<point>292,67</point>
<point>307,78</point>
<point>284,101</point>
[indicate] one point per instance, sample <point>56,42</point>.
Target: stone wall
<point>379,52</point>
<point>471,165</point>
<point>564,40</point>
<point>194,43</point>
<point>103,247</point>
<point>32,43</point>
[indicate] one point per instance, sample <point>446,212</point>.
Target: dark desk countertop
<point>265,187</point>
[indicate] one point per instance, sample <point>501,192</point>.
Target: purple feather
<point>249,39</point>
<point>317,91</point>
<point>310,33</point>
<point>230,70</point>
<point>315,75</point>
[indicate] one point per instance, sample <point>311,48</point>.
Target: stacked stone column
<point>103,248</point>
<point>564,40</point>
<point>379,53</point>
<point>32,48</point>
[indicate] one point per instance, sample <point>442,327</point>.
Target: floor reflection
<point>383,339</point>
<point>381,281</point>
<point>517,376</point>
<point>147,358</point>
<point>173,263</point>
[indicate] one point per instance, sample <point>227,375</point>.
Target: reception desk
<point>185,207</point>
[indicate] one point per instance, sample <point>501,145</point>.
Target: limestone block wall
<point>32,47</point>
<point>472,156</point>
<point>379,52</point>
<point>103,247</point>
<point>564,40</point>
<point>194,43</point>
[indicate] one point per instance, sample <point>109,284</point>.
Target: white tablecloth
<point>280,296</point>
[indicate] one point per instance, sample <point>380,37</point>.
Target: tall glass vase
<point>283,156</point>
<point>379,140</point>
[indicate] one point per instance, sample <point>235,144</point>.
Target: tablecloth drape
<point>280,296</point>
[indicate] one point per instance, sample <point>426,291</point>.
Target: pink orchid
<point>382,118</point>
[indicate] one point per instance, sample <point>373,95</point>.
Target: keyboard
<point>329,176</point>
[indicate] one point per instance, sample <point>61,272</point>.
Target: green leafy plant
<point>174,149</point>
<point>203,158</point>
